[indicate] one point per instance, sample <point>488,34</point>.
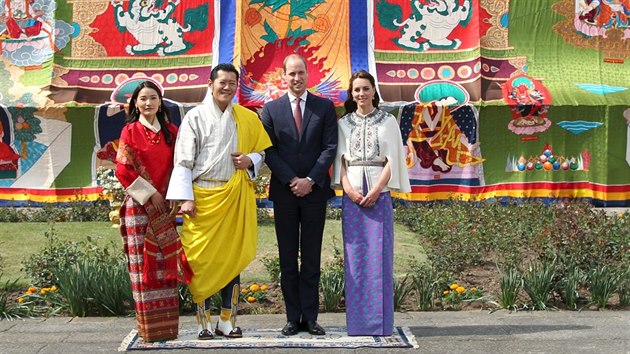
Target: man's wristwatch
<point>310,180</point>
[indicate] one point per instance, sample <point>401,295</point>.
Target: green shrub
<point>76,210</point>
<point>56,254</point>
<point>333,213</point>
<point>10,310</point>
<point>460,234</point>
<point>264,217</point>
<point>93,288</point>
<point>569,284</point>
<point>45,301</point>
<point>582,235</point>
<point>272,266</point>
<point>331,282</point>
<point>510,283</point>
<point>426,282</point>
<point>602,283</point>
<point>623,289</point>
<point>402,289</point>
<point>10,214</point>
<point>186,304</point>
<point>92,280</point>
<point>538,283</point>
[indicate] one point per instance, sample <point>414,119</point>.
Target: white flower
<point>112,189</point>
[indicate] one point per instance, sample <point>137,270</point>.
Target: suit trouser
<point>299,230</point>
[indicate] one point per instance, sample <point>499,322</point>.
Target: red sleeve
<point>125,173</point>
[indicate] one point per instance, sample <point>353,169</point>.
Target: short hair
<point>227,67</point>
<point>292,56</point>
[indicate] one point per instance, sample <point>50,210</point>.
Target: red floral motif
<point>252,17</point>
<point>263,72</point>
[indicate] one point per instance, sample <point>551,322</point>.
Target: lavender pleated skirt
<point>368,240</point>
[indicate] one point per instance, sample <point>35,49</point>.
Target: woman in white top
<point>370,163</point>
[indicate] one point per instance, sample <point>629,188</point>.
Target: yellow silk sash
<point>220,241</point>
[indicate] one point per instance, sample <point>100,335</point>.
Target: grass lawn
<point>20,240</point>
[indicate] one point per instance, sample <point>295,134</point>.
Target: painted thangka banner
<point>170,41</point>
<point>267,31</point>
<point>495,98</point>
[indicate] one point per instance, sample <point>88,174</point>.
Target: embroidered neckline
<point>375,117</point>
<point>152,140</point>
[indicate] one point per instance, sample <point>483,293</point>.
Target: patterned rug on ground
<point>336,337</point>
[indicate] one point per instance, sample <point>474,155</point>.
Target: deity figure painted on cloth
<point>529,101</point>
<point>8,157</point>
<point>29,34</point>
<point>595,17</point>
<point>442,142</point>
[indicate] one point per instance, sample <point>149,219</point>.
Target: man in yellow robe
<point>218,152</point>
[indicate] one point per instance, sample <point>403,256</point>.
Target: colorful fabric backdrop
<point>495,98</point>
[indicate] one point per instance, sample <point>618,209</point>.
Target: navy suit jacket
<point>309,155</point>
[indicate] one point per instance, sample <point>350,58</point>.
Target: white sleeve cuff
<point>180,185</point>
<point>141,190</point>
<point>257,161</point>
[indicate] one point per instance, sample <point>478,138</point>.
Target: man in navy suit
<point>303,131</point>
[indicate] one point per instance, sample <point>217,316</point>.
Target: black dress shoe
<point>314,328</point>
<point>291,328</point>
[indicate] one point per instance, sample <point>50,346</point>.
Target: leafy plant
<point>402,288</point>
<point>254,293</point>
<point>10,310</point>
<point>331,282</point>
<point>602,283</point>
<point>186,303</point>
<point>56,254</point>
<point>623,289</point>
<point>75,210</point>
<point>263,216</point>
<point>426,284</point>
<point>569,284</point>
<point>332,287</point>
<point>538,283</point>
<point>333,213</point>
<point>456,294</point>
<point>93,288</point>
<point>272,266</point>
<point>112,189</point>
<point>10,214</point>
<point>42,302</point>
<point>510,283</point>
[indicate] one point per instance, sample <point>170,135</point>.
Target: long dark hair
<point>162,114</point>
<point>350,105</point>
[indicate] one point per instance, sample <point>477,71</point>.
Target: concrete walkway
<point>436,332</point>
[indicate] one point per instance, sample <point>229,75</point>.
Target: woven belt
<point>366,163</point>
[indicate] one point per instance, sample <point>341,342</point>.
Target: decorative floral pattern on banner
<point>495,98</point>
<point>170,41</point>
<point>272,29</point>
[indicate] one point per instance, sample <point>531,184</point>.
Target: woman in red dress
<point>151,242</point>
